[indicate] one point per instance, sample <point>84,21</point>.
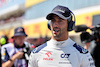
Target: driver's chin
<point>56,36</point>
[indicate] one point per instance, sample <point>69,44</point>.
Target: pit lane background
<point>37,26</point>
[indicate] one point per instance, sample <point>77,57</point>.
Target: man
<point>12,53</point>
<point>60,51</point>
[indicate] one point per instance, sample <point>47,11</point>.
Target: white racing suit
<point>60,54</point>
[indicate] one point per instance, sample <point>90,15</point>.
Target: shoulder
<point>27,44</point>
<point>36,50</point>
<point>85,57</point>
<point>7,45</point>
<point>80,49</point>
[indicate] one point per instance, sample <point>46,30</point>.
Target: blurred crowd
<point>34,42</point>
<point>11,19</point>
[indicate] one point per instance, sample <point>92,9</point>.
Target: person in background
<point>60,50</point>
<point>87,45</point>
<point>95,51</point>
<point>14,54</point>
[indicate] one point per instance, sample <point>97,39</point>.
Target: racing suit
<point>60,54</point>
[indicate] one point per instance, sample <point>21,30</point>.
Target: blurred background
<point>31,14</point>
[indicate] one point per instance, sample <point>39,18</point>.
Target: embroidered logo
<point>80,49</point>
<point>64,58</point>
<point>48,56</point>
<point>19,30</point>
<point>65,55</point>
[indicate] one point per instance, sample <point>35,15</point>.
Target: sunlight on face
<point>59,28</point>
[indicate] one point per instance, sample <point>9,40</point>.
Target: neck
<point>17,46</point>
<point>60,39</point>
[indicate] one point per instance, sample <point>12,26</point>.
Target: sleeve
<point>87,61</point>
<point>4,55</point>
<point>32,60</point>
